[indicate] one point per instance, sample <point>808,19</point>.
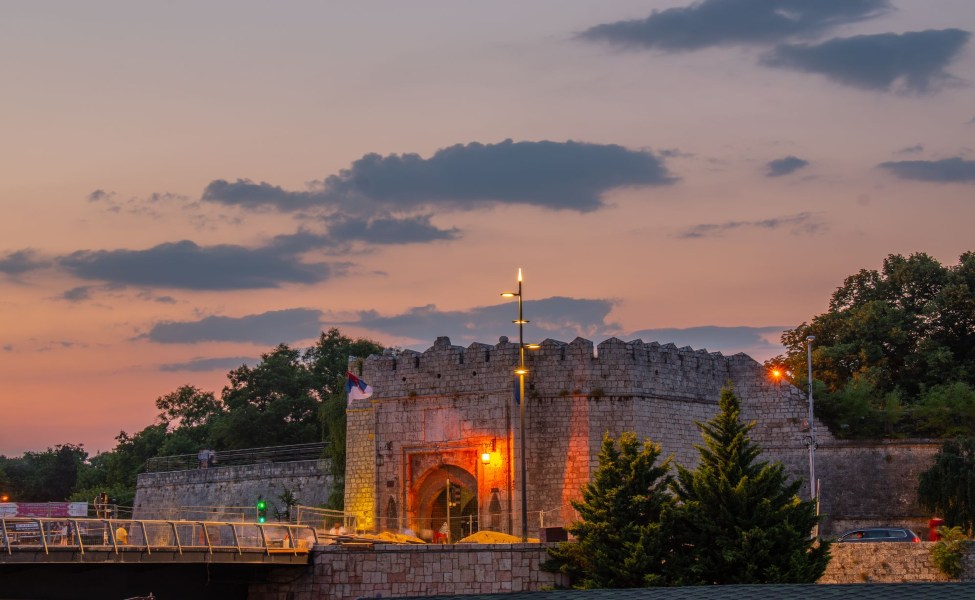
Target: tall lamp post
<point>521,371</point>
<point>812,423</point>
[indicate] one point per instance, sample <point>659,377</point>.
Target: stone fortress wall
<point>434,413</point>
<point>437,409</point>
<point>170,495</point>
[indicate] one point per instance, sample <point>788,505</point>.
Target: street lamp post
<point>521,371</point>
<point>812,423</point>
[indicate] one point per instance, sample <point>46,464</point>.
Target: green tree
<point>188,406</point>
<point>901,332</point>
<point>271,404</point>
<point>619,540</point>
<point>947,410</point>
<point>948,487</point>
<point>47,476</point>
<point>739,519</point>
<point>116,472</point>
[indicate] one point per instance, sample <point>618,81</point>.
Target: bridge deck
<point>74,540</point>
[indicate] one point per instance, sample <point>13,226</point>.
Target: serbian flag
<point>357,388</point>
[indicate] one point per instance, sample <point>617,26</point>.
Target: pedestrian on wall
<point>121,535</point>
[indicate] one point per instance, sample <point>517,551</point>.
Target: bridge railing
<point>246,456</point>
<point>124,535</point>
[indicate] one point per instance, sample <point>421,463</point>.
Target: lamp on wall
<point>486,458</point>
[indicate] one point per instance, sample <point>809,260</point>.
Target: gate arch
<point>428,502</point>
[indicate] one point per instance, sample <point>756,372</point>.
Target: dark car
<point>879,534</point>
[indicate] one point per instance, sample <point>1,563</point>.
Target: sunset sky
<point>184,185</point>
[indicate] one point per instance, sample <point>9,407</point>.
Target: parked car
<point>879,534</point>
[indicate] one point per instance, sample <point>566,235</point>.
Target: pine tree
<point>737,519</point>
<point>618,539</point>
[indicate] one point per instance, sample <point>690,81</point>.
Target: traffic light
<point>261,510</point>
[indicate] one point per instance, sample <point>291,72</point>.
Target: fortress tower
<point>450,414</point>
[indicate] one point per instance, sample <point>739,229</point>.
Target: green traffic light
<point>261,505</point>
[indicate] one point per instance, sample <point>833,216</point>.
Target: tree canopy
<point>738,519</point>
<point>895,351</point>
<point>619,538</point>
<point>948,487</point>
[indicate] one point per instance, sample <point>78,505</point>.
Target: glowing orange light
<point>486,457</point>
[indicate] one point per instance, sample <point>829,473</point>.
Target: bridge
<point>119,558</point>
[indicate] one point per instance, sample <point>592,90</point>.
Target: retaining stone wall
<point>157,494</point>
<point>388,570</point>
<point>869,562</point>
<point>866,484</point>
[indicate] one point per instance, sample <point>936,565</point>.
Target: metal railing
<point>245,456</point>
<point>124,535</point>
<point>326,520</point>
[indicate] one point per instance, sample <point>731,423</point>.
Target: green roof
<point>860,591</point>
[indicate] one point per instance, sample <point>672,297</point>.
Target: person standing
<point>121,535</point>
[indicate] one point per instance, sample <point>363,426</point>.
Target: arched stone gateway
<point>428,510</point>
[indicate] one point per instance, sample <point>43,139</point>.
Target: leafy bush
<point>949,553</point>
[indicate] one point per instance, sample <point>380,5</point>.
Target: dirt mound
<point>392,538</point>
<point>493,537</point>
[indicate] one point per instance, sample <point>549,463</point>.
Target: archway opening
<point>430,514</point>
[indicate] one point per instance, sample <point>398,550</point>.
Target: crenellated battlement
<point>613,368</point>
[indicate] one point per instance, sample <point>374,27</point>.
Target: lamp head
<point>810,338</point>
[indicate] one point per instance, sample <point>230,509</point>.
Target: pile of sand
<point>493,537</point>
<point>392,538</point>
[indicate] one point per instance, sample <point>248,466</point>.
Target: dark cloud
<point>78,294</point>
<point>912,62</point>
<point>911,149</point>
<point>558,318</point>
<point>100,196</point>
<point>800,223</point>
<point>274,327</point>
<point>186,265</point>
<point>556,175</point>
<point>22,261</point>
<point>248,194</point>
<point>948,170</point>
<point>727,340</point>
<point>202,365</point>
<point>390,230</point>
<point>784,166</point>
<point>734,22</point>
